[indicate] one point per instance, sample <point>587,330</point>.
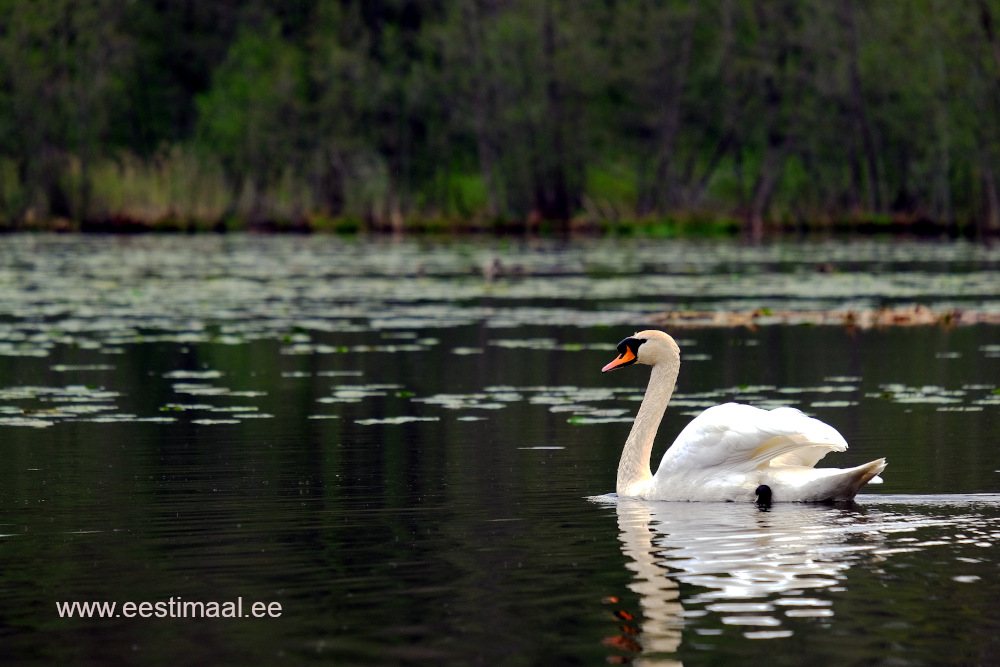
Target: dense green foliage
<point>343,112</point>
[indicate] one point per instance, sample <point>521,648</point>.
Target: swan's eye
<point>628,351</point>
<point>630,344</point>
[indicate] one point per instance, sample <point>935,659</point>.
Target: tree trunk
<point>992,213</point>
<point>665,183</point>
<point>774,155</point>
<point>859,111</point>
<point>986,21</point>
<point>482,108</point>
<point>552,194</point>
<point>989,151</point>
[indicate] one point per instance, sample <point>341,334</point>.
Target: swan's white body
<point>729,450</point>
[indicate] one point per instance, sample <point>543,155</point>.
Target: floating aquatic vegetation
<point>609,413</point>
<point>69,368</point>
<point>928,394</point>
<point>354,393</point>
<point>587,419</point>
<point>307,348</point>
<point>395,420</point>
<point>77,409</point>
<point>549,344</point>
<point>39,407</point>
<point>391,349</point>
<point>181,407</point>
<point>198,389</point>
<point>832,404</point>
<point>822,389</point>
<point>71,291</point>
<point>582,394</point>
<point>406,335</point>
<point>242,411</point>
<point>502,393</point>
<point>550,399</point>
<point>301,293</point>
<point>992,398</point>
<point>525,343</point>
<point>568,407</point>
<point>119,418</point>
<point>462,401</point>
<point>688,403</point>
<point>23,350</point>
<point>75,392</point>
<point>569,399</point>
<point>25,421</point>
<point>193,375</point>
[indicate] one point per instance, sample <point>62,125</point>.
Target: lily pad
<point>395,420</point>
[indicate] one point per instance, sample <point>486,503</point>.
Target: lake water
<point>407,446</point>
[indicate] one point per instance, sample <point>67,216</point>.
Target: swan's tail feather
<point>821,484</point>
<point>849,483</point>
<point>870,472</point>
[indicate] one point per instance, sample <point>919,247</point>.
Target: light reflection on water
<point>700,567</point>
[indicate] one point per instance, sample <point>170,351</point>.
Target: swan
<point>730,452</point>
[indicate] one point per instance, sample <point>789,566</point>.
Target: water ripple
<point>698,565</point>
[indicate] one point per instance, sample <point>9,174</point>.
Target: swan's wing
<point>739,438</point>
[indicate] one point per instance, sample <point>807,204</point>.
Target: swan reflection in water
<point>753,569</point>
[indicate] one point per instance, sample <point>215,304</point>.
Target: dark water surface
<point>406,446</point>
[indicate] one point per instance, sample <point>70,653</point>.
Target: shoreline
<point>679,227</point>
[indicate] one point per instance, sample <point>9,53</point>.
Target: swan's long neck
<point>633,468</point>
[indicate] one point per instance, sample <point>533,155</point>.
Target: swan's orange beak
<point>623,359</point>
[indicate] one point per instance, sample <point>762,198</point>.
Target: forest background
<point>485,114</point>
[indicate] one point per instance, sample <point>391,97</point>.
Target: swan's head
<point>645,347</point>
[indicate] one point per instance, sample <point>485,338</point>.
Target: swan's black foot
<point>763,495</point>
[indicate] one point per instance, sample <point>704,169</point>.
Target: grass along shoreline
<point>182,189</point>
<point>722,227</point>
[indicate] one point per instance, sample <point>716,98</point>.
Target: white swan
<point>730,451</point>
